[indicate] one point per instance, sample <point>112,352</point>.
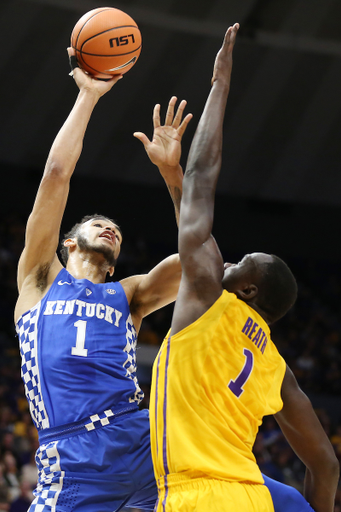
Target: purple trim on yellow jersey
<point>164,448</point>
<point>157,395</point>
<point>166,494</point>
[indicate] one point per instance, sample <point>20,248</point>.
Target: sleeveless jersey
<point>78,351</point>
<point>212,384</point>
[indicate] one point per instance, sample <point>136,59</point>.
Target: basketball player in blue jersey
<point>218,372</point>
<point>78,333</point>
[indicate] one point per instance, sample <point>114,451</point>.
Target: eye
<point>98,225</point>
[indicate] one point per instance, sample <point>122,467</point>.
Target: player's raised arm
<point>201,260</point>
<point>306,436</point>
<point>160,286</point>
<point>42,232</point>
<point>164,150</point>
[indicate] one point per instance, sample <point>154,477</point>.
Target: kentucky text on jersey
<point>255,334</point>
<point>79,308</point>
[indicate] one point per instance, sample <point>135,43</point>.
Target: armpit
<point>41,276</point>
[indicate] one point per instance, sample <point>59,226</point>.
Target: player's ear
<point>111,271</point>
<point>248,292</point>
<point>70,242</point>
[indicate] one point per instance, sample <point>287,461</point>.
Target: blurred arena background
<point>279,189</point>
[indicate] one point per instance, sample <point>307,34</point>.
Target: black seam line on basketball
<point>87,21</point>
<point>100,55</point>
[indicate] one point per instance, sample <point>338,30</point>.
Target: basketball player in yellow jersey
<point>218,372</point>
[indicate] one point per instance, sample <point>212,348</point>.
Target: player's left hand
<point>164,150</point>
<point>87,82</point>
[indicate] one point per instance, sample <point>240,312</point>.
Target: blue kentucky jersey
<point>78,350</point>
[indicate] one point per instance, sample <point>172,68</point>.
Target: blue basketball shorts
<point>110,467</point>
<point>286,498</point>
<point>99,470</point>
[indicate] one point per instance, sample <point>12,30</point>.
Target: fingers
<point>231,34</point>
<point>71,51</point>
<point>172,120</point>
<point>114,79</point>
<point>170,111</point>
<point>179,114</point>
<point>156,116</point>
<point>142,137</point>
<point>184,124</point>
<point>72,59</point>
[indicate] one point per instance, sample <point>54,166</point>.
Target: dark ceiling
<point>282,130</point>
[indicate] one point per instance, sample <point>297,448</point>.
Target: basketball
<point>107,42</point>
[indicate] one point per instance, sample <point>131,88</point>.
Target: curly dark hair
<point>64,251</point>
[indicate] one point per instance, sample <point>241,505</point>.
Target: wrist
<point>89,95</point>
<point>172,174</point>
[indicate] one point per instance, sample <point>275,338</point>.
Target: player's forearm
<point>320,489</point>
<point>67,146</point>
<point>204,160</point>
<point>173,177</point>
<point>203,167</point>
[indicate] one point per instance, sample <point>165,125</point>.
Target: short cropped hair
<point>277,292</point>
<point>64,251</point>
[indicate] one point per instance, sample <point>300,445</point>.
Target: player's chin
<point>105,242</point>
<point>226,281</point>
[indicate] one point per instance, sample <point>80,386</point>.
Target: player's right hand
<point>223,62</point>
<point>86,82</point>
<point>164,150</point>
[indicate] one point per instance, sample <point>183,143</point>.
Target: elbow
<point>177,271</point>
<point>334,466</point>
<point>326,465</point>
<point>331,473</point>
<point>56,171</point>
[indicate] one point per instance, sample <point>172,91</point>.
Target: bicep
<point>43,225</point>
<point>157,288</point>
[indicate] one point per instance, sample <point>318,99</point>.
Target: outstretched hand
<point>223,62</point>
<point>87,82</point>
<point>164,150</point>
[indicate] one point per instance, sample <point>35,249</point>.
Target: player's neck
<point>260,311</point>
<point>83,266</point>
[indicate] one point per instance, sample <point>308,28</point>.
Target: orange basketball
<point>107,42</point>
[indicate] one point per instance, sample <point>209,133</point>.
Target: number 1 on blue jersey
<point>79,349</point>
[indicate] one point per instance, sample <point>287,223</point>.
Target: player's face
<point>240,275</point>
<point>101,236</point>
<point>235,274</point>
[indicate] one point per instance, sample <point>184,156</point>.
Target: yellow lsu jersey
<point>212,384</point>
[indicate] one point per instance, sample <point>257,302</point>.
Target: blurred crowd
<point>309,338</point>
